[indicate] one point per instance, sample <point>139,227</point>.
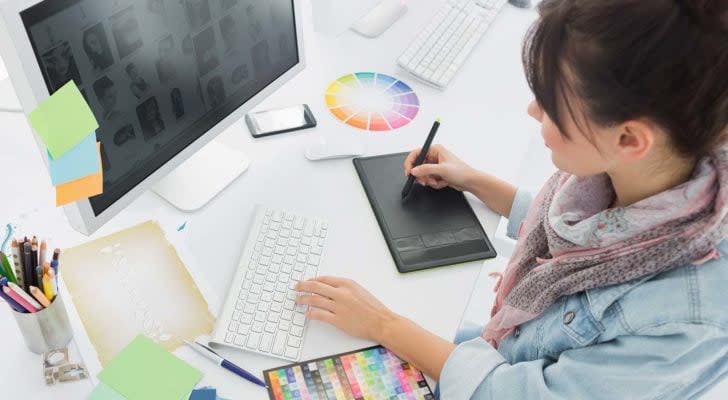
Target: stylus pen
<point>212,355</point>
<point>421,158</point>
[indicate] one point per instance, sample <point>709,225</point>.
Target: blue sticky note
<point>205,393</point>
<point>80,161</point>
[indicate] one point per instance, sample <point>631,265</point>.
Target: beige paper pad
<point>134,282</point>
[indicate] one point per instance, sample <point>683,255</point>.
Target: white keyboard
<point>260,313</point>
<point>442,47</point>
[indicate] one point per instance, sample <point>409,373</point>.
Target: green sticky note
<point>63,120</point>
<point>144,370</point>
<point>104,392</point>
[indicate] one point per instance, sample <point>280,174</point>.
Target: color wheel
<point>372,101</point>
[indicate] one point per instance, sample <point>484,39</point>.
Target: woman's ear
<point>635,139</point>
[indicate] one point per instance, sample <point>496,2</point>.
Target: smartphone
<point>271,122</point>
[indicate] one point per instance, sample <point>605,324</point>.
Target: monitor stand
<point>201,177</point>
<point>380,18</point>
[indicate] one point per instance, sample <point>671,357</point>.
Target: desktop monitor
<point>163,78</point>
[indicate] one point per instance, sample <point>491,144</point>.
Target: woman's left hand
<point>344,304</point>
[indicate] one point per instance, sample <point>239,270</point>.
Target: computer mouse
<point>330,147</point>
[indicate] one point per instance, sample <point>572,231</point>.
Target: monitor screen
<point>159,74</point>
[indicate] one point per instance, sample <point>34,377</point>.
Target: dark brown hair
<point>662,60</point>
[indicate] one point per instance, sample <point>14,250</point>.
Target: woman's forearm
<point>497,194</point>
<point>426,351</point>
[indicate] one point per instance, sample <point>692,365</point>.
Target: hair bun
<point>709,14</point>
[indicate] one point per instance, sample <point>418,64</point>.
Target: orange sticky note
<point>82,188</point>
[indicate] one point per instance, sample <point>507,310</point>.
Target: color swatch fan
<point>372,101</point>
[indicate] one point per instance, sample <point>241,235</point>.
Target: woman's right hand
<point>440,169</point>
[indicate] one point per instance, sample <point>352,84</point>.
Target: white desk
<point>484,122</point>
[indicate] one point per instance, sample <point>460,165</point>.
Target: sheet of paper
<point>205,393</point>
<point>79,162</point>
<point>144,370</point>
<point>103,391</point>
<point>134,281</point>
<point>83,188</point>
<point>63,120</point>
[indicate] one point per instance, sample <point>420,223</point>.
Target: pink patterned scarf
<point>571,241</point>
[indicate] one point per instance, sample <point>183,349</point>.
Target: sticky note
<point>205,393</point>
<point>83,188</point>
<point>146,371</point>
<point>63,120</point>
<point>79,162</point>
<point>103,392</point>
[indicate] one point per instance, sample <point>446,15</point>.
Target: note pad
<point>144,370</point>
<point>82,188</point>
<point>431,227</point>
<point>63,120</point>
<point>80,161</point>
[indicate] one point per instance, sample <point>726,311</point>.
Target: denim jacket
<point>663,336</point>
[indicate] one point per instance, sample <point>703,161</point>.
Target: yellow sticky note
<point>83,188</point>
<point>63,120</point>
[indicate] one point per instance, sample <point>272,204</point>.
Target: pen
<point>29,270</point>
<point>15,249</point>
<point>12,303</point>
<point>212,355</point>
<point>22,293</point>
<point>20,300</point>
<point>42,299</point>
<point>42,254</point>
<point>421,158</point>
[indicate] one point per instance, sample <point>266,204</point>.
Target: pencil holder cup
<point>47,329</point>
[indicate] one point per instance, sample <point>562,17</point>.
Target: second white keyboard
<point>260,313</point>
<point>442,47</point>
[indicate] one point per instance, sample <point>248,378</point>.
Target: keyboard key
<point>284,325</point>
<point>277,216</point>
<point>229,337</point>
<point>265,342</point>
<point>289,304</point>
<point>236,315</point>
<point>269,287</point>
<point>313,259</point>
<point>287,315</point>
<point>233,327</point>
<point>262,306</point>
<point>294,341</point>
<point>243,329</point>
<point>274,317</point>
<point>278,297</point>
<point>296,331</point>
<point>276,307</point>
<point>270,327</point>
<point>257,326</point>
<point>299,319</point>
<point>292,352</point>
<point>239,340</point>
<point>253,340</point>
<point>260,316</point>
<point>280,344</point>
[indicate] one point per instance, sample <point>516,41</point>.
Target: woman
<point>616,288</point>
